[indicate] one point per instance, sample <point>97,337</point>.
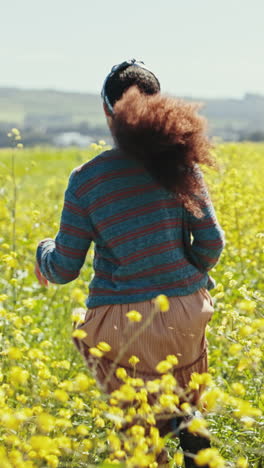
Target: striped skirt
<point>179,331</point>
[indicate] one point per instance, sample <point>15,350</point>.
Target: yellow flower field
<point>51,412</point>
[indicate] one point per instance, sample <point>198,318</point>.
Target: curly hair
<point>168,137</point>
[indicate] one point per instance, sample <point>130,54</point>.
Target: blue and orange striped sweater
<point>146,242</point>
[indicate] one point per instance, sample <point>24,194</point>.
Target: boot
<point>191,444</point>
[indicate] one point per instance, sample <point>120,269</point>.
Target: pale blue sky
<point>207,48</point>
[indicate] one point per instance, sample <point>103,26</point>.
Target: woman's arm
<point>60,260</point>
<point>208,236</point>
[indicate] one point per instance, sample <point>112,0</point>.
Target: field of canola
<point>51,412</point>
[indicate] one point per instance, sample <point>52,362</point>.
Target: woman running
<point>146,207</point>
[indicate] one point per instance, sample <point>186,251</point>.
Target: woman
<point>140,203</point>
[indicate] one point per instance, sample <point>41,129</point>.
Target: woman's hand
<point>41,279</point>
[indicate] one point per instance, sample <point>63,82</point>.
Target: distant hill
<point>237,116</point>
<point>48,106</point>
<point>45,112</point>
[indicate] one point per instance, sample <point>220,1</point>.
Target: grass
<point>52,414</point>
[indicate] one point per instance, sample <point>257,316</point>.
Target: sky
<point>199,48</point>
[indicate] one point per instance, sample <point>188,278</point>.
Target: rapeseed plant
<point>51,411</point>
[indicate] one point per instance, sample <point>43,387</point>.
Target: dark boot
<point>191,444</point>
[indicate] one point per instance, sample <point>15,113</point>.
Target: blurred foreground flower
<point>162,302</point>
<point>134,316</point>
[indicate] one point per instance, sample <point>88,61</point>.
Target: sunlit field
<point>51,412</point>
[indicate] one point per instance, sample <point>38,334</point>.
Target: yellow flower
<point>162,302</point>
<point>77,403</point>
<point>14,353</point>
<point>245,331</point>
<point>96,352</point>
<point>10,260</point>
<point>211,457</point>
<point>37,409</point>
<point>238,388</point>
<point>15,131</point>
<point>44,373</point>
<point>77,295</point>
<point>82,382</point>
<point>133,360</point>
<point>258,323</point>
<point>186,407</point>
<point>137,430</point>
<point>27,319</point>
<point>10,421</point>
<point>45,344</point>
<point>61,395</point>
<point>12,440</point>
<point>18,376</point>
<point>121,373</point>
<point>196,381</point>
<point>104,347</point>
<point>94,146</point>
<point>16,457</point>
<point>87,445</point>
<point>64,443</point>
<point>79,334</point>
<point>211,398</point>
<point>99,422</point>
<point>114,441</point>
<point>29,303</point>
<point>243,408</point>
<point>63,423</point>
<point>65,413</point>
<point>168,382</point>
<point>52,461</point>
<point>153,386</point>
<point>243,364</point>
<point>198,426</point>
<point>82,430</point>
<point>178,458</point>
<point>135,382</point>
<point>172,359</point>
<point>119,454</point>
<point>206,378</point>
<point>36,331</point>
<point>18,323</point>
<point>35,353</point>
<point>45,422</point>
<point>169,400</point>
<point>134,316</point>
<point>126,393</point>
<point>242,462</point>
<point>163,366</point>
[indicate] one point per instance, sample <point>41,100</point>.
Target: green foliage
<point>51,412</point>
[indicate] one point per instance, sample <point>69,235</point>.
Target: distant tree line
<point>44,130</point>
<point>32,135</point>
<point>257,136</point>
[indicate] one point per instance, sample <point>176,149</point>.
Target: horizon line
<point>74,91</point>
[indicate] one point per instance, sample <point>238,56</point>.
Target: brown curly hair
<point>168,137</point>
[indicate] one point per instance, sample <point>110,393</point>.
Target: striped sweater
<point>146,242</point>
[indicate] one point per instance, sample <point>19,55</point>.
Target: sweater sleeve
<point>208,236</point>
<point>60,260</point>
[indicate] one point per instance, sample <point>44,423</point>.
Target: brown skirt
<point>180,331</point>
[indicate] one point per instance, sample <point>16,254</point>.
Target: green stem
<point>13,209</point>
<point>13,214</point>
